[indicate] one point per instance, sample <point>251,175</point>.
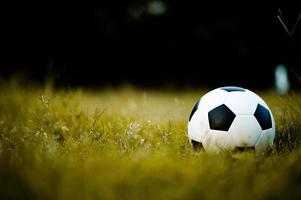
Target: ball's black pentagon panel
<point>233,89</point>
<point>194,109</point>
<point>197,145</point>
<point>263,117</point>
<point>221,118</point>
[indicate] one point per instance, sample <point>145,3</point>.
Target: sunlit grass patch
<point>129,143</point>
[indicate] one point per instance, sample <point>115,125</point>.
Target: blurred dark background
<point>146,43</point>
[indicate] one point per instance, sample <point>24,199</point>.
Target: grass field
<point>128,143</point>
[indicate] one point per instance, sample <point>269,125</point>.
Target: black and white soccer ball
<point>231,118</point>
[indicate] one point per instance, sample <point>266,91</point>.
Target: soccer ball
<point>231,119</point>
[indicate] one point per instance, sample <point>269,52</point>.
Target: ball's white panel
<point>197,130</point>
<point>242,103</point>
<point>245,131</point>
<point>266,140</point>
<point>217,141</point>
<point>198,125</point>
<point>258,99</point>
<point>273,121</point>
<point>212,99</point>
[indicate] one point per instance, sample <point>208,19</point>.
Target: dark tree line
<point>111,43</point>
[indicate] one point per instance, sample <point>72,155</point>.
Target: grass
<point>127,143</point>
